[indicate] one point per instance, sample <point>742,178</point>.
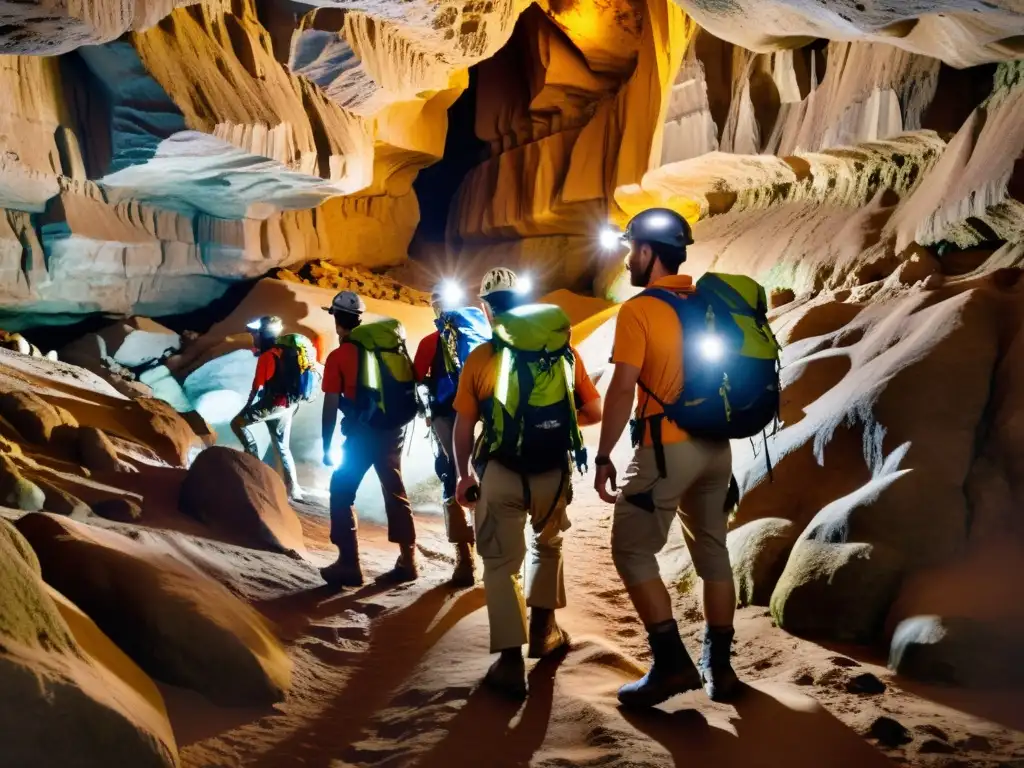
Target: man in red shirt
<point>364,447</point>
<point>429,366</point>
<point>268,404</point>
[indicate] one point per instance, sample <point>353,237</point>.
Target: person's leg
<point>500,519</point>
<point>545,579</point>
<point>644,513</point>
<point>280,426</point>
<point>387,461</point>
<point>344,484</point>
<point>456,518</point>
<point>242,425</point>
<point>704,526</point>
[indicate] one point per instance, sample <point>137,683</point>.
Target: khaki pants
<point>698,473</point>
<point>506,536</point>
<point>456,519</point>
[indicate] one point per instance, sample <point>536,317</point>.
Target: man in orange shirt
<point>265,406</point>
<point>512,493</point>
<point>365,447</point>
<point>671,474</point>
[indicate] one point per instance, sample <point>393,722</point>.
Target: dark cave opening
<point>437,185</point>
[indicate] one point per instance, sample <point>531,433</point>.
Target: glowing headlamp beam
<point>451,293</point>
<point>610,239</point>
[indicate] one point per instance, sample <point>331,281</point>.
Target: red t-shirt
<point>266,367</point>
<point>341,372</point>
<point>425,355</point>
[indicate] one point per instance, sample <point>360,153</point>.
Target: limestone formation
<point>176,623</point>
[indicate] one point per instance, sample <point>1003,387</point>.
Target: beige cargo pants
<point>506,535</point>
<point>694,490</point>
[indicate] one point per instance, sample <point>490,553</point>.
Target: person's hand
<point>603,475</point>
<point>428,420</point>
<point>465,483</point>
<point>328,461</point>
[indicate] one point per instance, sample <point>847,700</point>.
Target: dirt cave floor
<point>389,676</point>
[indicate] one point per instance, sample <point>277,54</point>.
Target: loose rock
<point>866,685</point>
<point>889,733</point>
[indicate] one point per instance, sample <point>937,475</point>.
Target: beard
<point>637,276</point>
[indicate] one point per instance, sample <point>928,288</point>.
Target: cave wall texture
<point>154,152</point>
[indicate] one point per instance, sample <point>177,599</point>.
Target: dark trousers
<point>382,450</point>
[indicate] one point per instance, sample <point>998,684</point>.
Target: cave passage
<point>437,185</point>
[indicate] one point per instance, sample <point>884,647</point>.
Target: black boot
<point>507,675</point>
<point>672,670</point>
<point>345,571</point>
<point>546,636</point>
<point>405,567</point>
<point>720,681</point>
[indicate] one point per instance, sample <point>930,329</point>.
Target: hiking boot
<point>343,573</point>
<point>672,670</point>
<point>507,675</point>
<point>546,637</point>
<point>464,574</point>
<point>405,566</point>
<point>720,681</point>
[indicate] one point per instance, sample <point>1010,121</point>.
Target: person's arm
<point>588,399</point>
<point>589,413</point>
<point>618,406</point>
<point>329,423</point>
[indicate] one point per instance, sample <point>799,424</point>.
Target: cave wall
<point>161,150</point>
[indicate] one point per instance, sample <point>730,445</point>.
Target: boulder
<point>67,696</point>
<point>97,452</point>
<point>33,417</point>
<point>958,651</point>
<point>758,552</point>
<point>166,432</point>
<point>175,622</point>
<point>18,491</point>
<point>840,591</point>
<point>238,495</point>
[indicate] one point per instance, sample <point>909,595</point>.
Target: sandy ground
<point>390,676</point>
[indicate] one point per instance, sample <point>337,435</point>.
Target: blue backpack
<point>461,331</point>
<point>730,359</point>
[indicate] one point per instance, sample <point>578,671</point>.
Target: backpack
<point>295,376</point>
<point>460,332</point>
<point>730,359</point>
<point>386,391</point>
<point>530,422</point>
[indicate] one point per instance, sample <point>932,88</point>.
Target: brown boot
<point>507,675</point>
<point>546,637</point>
<point>341,573</point>
<point>345,571</point>
<point>464,574</point>
<point>405,567</point>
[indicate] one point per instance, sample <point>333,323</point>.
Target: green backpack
<point>386,391</point>
<point>530,423</point>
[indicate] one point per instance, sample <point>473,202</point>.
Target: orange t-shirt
<point>341,371</point>
<point>480,372</point>
<point>648,336</point>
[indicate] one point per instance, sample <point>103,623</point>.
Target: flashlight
<point>610,239</point>
<point>451,293</point>
<point>712,348</point>
<point>524,284</point>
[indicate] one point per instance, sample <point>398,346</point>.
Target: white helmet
<point>498,279</point>
<point>347,302</point>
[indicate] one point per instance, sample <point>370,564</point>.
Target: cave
<point>229,399</point>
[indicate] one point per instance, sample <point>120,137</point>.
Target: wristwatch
<point>600,461</point>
